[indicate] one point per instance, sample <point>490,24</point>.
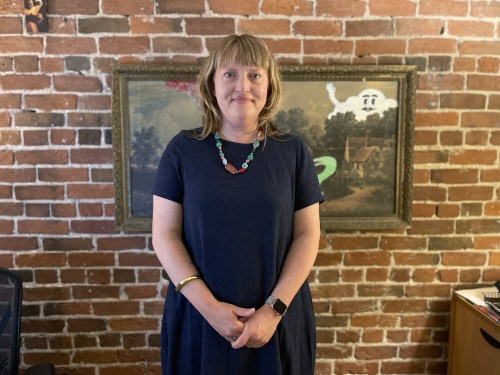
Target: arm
<point>261,326</point>
<point>172,254</point>
<point>33,11</point>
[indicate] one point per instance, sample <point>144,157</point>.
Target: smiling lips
<point>241,99</point>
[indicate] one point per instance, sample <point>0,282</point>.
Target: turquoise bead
<point>250,157</point>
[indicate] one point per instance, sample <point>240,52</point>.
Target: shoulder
<point>178,146</point>
<point>290,149</point>
<point>286,137</point>
<point>184,137</point>
<point>188,134</point>
<point>291,141</point>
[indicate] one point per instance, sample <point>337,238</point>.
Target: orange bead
<point>230,168</point>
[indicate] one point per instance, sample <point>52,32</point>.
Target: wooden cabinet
<point>474,346</point>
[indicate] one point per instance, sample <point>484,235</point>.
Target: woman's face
<point>241,93</point>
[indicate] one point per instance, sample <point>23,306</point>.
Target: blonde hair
<point>244,50</point>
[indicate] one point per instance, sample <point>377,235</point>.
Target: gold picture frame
<point>358,122</point>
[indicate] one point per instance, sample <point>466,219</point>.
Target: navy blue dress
<point>237,230</point>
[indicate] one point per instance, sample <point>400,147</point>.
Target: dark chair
<point>11,294</point>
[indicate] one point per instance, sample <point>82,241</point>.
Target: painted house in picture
<point>359,152</point>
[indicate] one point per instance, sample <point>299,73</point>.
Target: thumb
<point>242,340</point>
<point>243,313</point>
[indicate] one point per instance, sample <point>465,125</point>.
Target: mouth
<point>241,99</point>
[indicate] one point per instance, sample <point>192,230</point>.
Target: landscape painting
<point>356,121</point>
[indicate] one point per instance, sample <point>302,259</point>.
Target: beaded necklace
<point>229,167</point>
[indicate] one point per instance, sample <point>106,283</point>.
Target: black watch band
<point>277,305</point>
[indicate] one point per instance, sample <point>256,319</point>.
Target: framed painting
<point>357,121</point>
<point>35,14</point>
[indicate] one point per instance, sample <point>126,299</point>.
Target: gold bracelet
<point>185,281</point>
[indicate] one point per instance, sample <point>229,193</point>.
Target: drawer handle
<point>489,339</point>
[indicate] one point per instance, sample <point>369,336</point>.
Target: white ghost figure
<point>368,102</point>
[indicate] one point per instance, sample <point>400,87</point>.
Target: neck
<point>239,135</point>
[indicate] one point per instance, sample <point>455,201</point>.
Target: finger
<point>241,341</point>
<point>255,345</point>
<point>243,313</point>
<point>235,332</point>
<point>231,339</point>
<point>237,329</point>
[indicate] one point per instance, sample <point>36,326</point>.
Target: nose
<point>243,83</point>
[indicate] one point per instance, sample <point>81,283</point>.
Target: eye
<point>228,74</point>
<point>254,76</point>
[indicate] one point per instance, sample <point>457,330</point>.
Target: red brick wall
<point>93,296</point>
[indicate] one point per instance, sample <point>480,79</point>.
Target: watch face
<point>279,307</point>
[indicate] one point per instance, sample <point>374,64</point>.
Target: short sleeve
<point>168,181</point>
<point>307,189</point>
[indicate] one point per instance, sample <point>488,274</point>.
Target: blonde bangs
<point>243,51</point>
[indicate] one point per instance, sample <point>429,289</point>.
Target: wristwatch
<point>277,305</point>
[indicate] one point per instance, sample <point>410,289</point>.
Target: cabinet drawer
<point>476,342</point>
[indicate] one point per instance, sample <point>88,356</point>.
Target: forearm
<point>301,256</point>
<point>296,269</point>
<point>174,257</point>
<point>172,253</point>
<point>223,317</point>
<point>176,261</point>
<point>299,261</point>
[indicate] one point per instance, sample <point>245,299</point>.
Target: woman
<point>236,227</point>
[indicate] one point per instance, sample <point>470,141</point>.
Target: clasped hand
<point>245,327</point>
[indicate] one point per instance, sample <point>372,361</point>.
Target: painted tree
<point>145,147</point>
